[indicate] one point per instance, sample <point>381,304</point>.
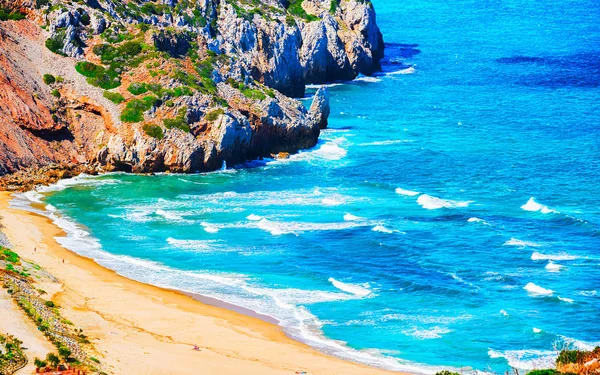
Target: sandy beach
<point>142,329</point>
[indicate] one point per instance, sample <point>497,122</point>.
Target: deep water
<point>449,216</point>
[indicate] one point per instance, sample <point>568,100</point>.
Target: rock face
<point>224,75</point>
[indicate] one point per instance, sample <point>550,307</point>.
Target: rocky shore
<point>170,85</point>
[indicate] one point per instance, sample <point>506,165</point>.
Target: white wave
<point>567,300</point>
<point>553,267</point>
<point>318,86</point>
<point>357,290</point>
<point>579,344</point>
<point>332,201</point>
<point>277,228</point>
<point>536,330</point>
<point>537,290</point>
<point>386,143</point>
<point>540,256</point>
<point>209,228</point>
<point>171,216</point>
<point>331,150</point>
<point>526,359</point>
<point>382,229</point>
<point>426,334</point>
<point>283,305</point>
<point>588,293</point>
<point>253,217</point>
<point>408,193</point>
<point>433,203</point>
<point>503,312</point>
<point>521,243</point>
<point>350,217</point>
<point>477,220</point>
<point>196,245</point>
<point>534,206</point>
<point>409,70</point>
<point>367,79</point>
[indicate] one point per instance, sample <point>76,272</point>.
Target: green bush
<point>57,42</point>
<point>98,75</point>
<point>570,356</point>
<point>8,255</point>
<point>14,15</point>
<point>88,69</point>
<point>296,9</point>
<point>39,363</point>
<point>182,91</point>
<point>53,359</point>
<point>155,88</point>
<point>135,108</point>
<point>49,79</point>
<point>543,372</point>
<point>446,372</point>
<point>49,304</point>
<point>153,131</point>
<point>137,88</point>
<point>178,122</point>
<point>131,48</point>
<point>55,93</point>
<point>333,6</point>
<point>114,97</point>
<point>214,114</point>
<point>253,93</point>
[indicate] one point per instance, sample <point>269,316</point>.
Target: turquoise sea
<point>449,216</point>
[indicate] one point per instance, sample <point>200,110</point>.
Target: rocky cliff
<point>171,85</point>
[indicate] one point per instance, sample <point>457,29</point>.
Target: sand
<point>142,329</point>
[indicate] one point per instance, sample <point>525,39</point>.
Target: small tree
<point>53,359</point>
<point>39,363</point>
<point>64,352</point>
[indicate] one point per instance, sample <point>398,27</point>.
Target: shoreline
<point>240,340</point>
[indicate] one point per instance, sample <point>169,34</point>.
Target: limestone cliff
<point>172,85</point>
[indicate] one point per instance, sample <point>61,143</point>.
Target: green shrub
<point>39,363</point>
<point>135,108</point>
<point>544,372</point>
<point>253,93</point>
<point>57,42</point>
<point>88,69</point>
<point>14,15</point>
<point>53,359</point>
<point>49,304</point>
<point>178,122</point>
<point>59,79</point>
<point>137,88</point>
<point>296,9</point>
<point>333,6</point>
<point>64,352</point>
<point>114,97</point>
<point>130,48</point>
<point>153,131</point>
<point>570,356</point>
<point>214,114</point>
<point>55,93</point>
<point>446,372</point>
<point>49,79</point>
<point>182,91</point>
<point>9,256</point>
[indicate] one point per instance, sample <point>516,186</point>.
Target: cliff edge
<point>170,85</point>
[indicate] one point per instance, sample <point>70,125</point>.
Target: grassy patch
<point>296,9</point>
<point>14,15</point>
<point>98,75</point>
<point>134,110</point>
<point>9,255</point>
<point>55,93</point>
<point>153,131</point>
<point>114,97</point>
<point>49,79</point>
<point>214,114</point>
<point>137,88</point>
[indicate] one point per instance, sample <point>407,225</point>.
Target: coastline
<point>133,340</point>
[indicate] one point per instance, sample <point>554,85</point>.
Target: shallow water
<point>448,217</point>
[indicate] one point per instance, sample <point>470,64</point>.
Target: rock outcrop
<point>183,90</point>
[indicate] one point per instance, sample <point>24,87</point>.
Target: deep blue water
<point>498,105</point>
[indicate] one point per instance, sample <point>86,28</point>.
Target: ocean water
<point>448,218</point>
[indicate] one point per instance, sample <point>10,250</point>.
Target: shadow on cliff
<point>576,70</point>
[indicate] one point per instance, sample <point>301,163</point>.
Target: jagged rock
<point>175,44</point>
<point>99,24</point>
<point>319,110</point>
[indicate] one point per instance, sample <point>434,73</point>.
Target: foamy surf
<point>537,290</point>
<point>540,256</point>
<point>355,289</point>
<point>534,206</point>
<point>350,217</point>
<point>525,359</point>
<point>536,330</point>
<point>521,243</point>
<point>382,229</point>
<point>408,193</point>
<point>434,203</point>
<point>553,267</point>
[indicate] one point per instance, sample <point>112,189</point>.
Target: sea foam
<point>521,243</point>
<point>531,288</point>
<point>534,206</point>
<point>357,290</point>
<point>433,203</point>
<point>540,256</point>
<point>408,193</point>
<point>553,267</point>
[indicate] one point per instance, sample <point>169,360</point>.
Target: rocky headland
<point>169,85</point>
